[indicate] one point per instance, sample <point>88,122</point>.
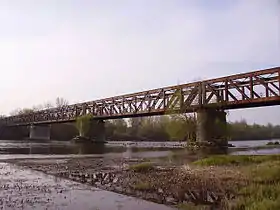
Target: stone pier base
<point>212,127</point>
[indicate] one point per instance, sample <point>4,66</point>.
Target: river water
<point>35,149</point>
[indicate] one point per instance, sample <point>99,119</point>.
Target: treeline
<point>160,128</point>
<point>181,128</point>
<point>243,131</point>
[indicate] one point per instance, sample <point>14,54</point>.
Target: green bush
<point>142,186</point>
<point>141,167</point>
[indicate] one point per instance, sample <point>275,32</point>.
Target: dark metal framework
<point>258,88</point>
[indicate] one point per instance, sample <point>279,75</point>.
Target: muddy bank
<point>160,183</point>
<point>28,189</point>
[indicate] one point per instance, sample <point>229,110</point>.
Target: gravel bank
<point>165,185</point>
<point>27,189</point>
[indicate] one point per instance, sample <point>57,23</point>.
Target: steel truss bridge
<point>253,89</point>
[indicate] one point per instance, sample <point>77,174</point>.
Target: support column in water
<point>97,131</point>
<point>40,132</point>
<point>100,137</point>
<point>212,127</point>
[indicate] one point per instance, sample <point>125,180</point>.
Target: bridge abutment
<point>40,132</point>
<point>212,127</point>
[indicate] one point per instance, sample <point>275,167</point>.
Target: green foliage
<point>142,186</point>
<point>152,128</point>
<point>258,203</point>
<point>261,191</point>
<point>240,130</point>
<point>264,190</point>
<point>258,197</point>
<point>267,172</point>
<point>141,167</point>
<point>116,127</point>
<point>134,124</point>
<point>236,159</point>
<point>181,127</point>
<point>120,126</point>
<point>83,124</point>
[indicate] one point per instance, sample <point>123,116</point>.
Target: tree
<point>181,127</point>
<point>15,112</point>
<point>48,105</point>
<point>120,126</point>
<point>61,102</point>
<point>83,124</point>
<point>134,125</point>
<point>37,107</point>
<point>22,111</point>
<point>153,128</point>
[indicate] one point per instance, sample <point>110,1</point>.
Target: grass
<point>141,167</point>
<point>258,197</point>
<point>262,192</point>
<point>142,186</point>
<point>189,206</point>
<point>259,189</point>
<point>219,160</point>
<point>268,172</point>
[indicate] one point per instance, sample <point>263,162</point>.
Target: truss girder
<point>237,91</point>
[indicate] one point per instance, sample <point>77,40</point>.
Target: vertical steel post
<point>251,87</point>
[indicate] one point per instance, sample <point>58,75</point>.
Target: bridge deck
<point>253,89</point>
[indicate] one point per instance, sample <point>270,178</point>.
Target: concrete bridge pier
<point>212,127</point>
<point>100,136</point>
<point>40,132</point>
<point>97,131</point>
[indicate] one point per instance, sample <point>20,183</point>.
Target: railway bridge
<point>208,98</point>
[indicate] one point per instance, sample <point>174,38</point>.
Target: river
<point>36,149</point>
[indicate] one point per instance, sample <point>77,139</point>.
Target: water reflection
<point>252,143</point>
<point>52,148</point>
<point>268,151</point>
<point>124,149</point>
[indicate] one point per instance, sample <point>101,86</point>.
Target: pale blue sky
<point>88,49</point>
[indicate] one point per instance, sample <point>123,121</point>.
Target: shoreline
<point>36,190</point>
<point>177,179</point>
<point>155,180</point>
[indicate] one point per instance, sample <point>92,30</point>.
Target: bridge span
<point>253,89</point>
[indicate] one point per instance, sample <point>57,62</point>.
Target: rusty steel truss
<point>258,88</point>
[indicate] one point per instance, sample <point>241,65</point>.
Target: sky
<point>84,50</point>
